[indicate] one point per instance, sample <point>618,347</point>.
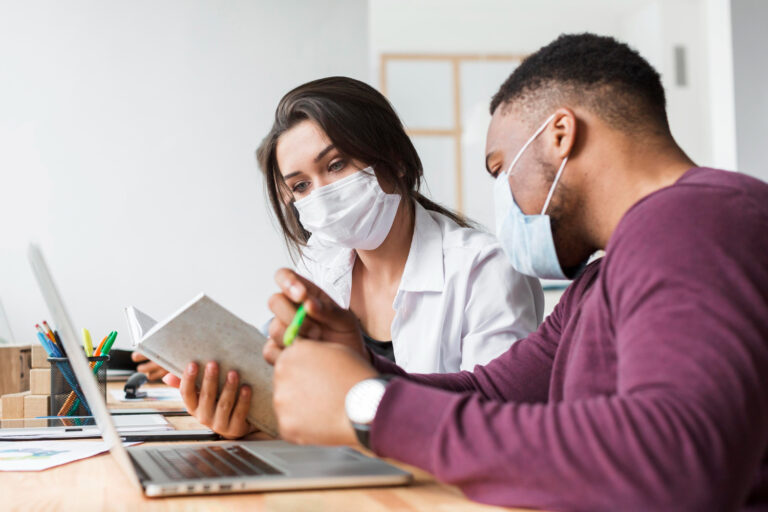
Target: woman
<point>343,179</point>
<point>430,292</point>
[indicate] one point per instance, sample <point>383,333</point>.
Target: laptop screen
<point>79,363</point>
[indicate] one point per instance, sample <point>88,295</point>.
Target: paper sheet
<point>40,455</point>
<point>125,423</point>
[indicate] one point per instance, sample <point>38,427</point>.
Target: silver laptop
<point>208,468</point>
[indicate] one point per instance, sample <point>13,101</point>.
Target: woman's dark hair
<point>362,124</point>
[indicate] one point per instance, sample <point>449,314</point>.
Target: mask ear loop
<point>554,184</point>
<point>528,143</point>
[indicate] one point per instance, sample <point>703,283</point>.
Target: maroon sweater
<point>645,389</point>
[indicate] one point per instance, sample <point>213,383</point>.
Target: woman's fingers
<point>225,414</point>
<point>145,367</point>
<point>188,389</point>
<point>209,388</point>
<point>157,373</point>
<point>172,380</point>
<point>138,357</point>
<point>153,371</point>
<point>225,403</point>
<point>238,422</point>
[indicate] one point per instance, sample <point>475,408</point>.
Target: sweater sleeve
<point>686,428</point>
<point>521,373</point>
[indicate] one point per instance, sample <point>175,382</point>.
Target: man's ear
<point>565,126</point>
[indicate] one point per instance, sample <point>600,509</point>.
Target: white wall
<point>653,27</point>
<point>127,138</point>
<point>721,109</point>
<point>750,41</point>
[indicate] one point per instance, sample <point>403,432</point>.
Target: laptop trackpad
<point>311,455</point>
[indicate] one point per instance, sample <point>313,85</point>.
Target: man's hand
<point>311,382</point>
<point>152,370</point>
<point>226,415</point>
<point>325,321</point>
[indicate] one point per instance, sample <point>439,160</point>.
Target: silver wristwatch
<point>361,404</point>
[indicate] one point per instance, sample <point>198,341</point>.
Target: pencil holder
<point>66,396</point>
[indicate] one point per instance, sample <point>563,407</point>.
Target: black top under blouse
<point>380,348</point>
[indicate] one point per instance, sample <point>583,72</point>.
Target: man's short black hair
<point>599,73</point>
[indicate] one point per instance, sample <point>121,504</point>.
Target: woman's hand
<point>225,416</point>
<point>325,320</point>
<point>152,370</point>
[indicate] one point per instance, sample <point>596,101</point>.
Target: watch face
<point>363,400</point>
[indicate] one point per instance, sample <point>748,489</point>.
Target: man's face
<point>532,177</point>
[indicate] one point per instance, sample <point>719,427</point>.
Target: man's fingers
<point>283,309</point>
<point>293,285</point>
<point>298,289</point>
<point>271,351</point>
<point>330,316</point>
<point>187,388</point>
<point>320,307</point>
<point>277,329</point>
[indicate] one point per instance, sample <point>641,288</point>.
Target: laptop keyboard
<point>210,462</point>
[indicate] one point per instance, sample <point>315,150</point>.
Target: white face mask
<point>527,239</point>
<point>353,212</point>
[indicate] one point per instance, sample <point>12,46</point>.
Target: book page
<point>205,331</point>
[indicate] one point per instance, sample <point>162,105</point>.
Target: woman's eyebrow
<point>319,157</point>
<point>324,152</point>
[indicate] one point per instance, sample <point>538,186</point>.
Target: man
<point>645,389</point>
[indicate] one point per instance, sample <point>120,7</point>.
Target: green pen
<point>293,330</point>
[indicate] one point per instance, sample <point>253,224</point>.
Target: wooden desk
<point>97,484</point>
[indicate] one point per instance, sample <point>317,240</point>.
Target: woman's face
<point>308,160</point>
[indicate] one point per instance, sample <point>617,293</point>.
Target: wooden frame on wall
<point>454,132</point>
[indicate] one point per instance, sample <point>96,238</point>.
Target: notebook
<point>203,331</point>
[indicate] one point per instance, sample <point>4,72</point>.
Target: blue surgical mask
<point>527,239</point>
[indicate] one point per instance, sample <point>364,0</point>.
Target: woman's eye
<point>300,186</point>
<point>337,166</point>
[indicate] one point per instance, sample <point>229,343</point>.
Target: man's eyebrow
<point>324,152</point>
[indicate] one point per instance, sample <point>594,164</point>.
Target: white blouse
<point>460,303</point>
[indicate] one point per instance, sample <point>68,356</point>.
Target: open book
<point>204,331</point>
